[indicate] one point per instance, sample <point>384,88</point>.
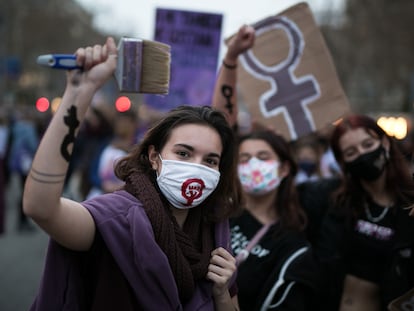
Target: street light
<point>394,126</point>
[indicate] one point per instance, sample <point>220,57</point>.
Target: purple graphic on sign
<point>289,94</point>
<point>194,38</point>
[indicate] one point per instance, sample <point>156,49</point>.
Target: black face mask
<point>368,166</point>
<point>308,167</point>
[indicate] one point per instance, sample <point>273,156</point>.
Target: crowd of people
<point>198,216</point>
<point>358,229</point>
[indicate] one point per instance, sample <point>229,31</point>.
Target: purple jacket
<point>127,233</point>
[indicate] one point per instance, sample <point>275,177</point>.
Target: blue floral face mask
<point>259,177</point>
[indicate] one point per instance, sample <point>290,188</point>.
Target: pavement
<point>22,256</point>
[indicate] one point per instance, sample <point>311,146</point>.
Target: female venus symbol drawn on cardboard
<point>288,94</point>
<point>288,79</point>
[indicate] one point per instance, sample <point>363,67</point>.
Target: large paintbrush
<point>143,65</point>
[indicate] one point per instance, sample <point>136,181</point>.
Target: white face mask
<point>186,185</point>
<point>259,177</point>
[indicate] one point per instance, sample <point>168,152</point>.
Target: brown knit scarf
<point>188,249</point>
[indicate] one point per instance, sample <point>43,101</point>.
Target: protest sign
<point>195,39</point>
<point>288,79</point>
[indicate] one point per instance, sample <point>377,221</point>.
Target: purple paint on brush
<point>128,74</point>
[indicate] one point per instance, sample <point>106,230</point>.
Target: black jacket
<point>280,272</point>
<point>333,242</point>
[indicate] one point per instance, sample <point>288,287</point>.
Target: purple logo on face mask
<point>192,189</point>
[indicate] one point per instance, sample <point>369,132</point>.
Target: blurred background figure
<point>308,152</point>
<point>124,137</point>
<point>4,170</point>
<point>329,167</point>
<point>24,141</point>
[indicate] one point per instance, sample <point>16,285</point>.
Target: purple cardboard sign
<point>194,38</point>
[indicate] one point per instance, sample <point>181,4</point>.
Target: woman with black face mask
<point>366,244</point>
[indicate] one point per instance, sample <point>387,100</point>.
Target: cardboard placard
<point>288,80</point>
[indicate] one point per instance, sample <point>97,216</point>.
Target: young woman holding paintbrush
<point>159,243</point>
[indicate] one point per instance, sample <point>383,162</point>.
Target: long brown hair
<point>399,181</point>
<point>226,197</point>
<point>291,215</point>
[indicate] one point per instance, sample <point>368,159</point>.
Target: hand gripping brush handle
<point>143,66</point>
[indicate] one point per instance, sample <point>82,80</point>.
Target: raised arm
<point>67,221</point>
<point>225,97</point>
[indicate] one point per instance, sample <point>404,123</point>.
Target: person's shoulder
<point>321,184</point>
<point>244,220</point>
<point>295,239</point>
<point>113,204</point>
<point>296,252</point>
<point>118,197</point>
<point>318,189</point>
<point>113,151</point>
<point>404,220</point>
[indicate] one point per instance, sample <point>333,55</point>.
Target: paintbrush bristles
<point>155,71</point>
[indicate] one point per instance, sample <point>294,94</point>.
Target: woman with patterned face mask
<point>367,240</point>
<point>276,270</point>
<point>161,242</point>
<point>275,265</point>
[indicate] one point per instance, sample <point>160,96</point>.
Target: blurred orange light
<point>42,104</point>
<point>123,104</point>
<point>55,104</point>
<point>394,126</point>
